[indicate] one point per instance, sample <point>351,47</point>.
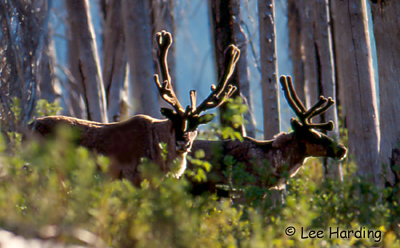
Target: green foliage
<point>16,108</point>
<point>235,110</point>
<point>44,108</point>
<point>58,184</point>
<point>202,167</point>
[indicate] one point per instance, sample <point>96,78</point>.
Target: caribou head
<point>313,142</point>
<point>186,121</point>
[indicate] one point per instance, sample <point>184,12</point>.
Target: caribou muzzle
<point>337,152</point>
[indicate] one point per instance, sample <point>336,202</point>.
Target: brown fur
<point>267,161</point>
<point>125,142</point>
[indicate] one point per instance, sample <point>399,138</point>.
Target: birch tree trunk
<point>140,57</point>
<point>89,65</point>
<point>386,18</point>
<point>269,79</point>
<point>115,71</point>
<point>355,75</point>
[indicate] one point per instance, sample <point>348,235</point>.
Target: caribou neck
<point>288,156</point>
<point>163,132</point>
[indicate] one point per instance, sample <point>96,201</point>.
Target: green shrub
<point>56,183</point>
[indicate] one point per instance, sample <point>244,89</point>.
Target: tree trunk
<point>115,72</point>
<point>269,79</point>
<point>309,55</point>
<point>243,70</point>
<point>355,75</point>
<point>74,99</point>
<point>386,25</point>
<point>140,57</point>
<point>74,87</point>
<point>315,49</point>
<point>23,31</point>
<point>89,66</point>
<point>223,35</point>
<point>163,19</point>
<point>295,7</point>
<point>326,75</point>
<point>46,76</point>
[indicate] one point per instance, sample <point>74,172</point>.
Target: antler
<point>164,41</point>
<point>301,112</point>
<point>220,92</point>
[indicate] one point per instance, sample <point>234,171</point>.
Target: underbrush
<point>56,190</point>
<point>59,185</point>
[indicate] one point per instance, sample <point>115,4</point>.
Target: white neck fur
<point>179,165</point>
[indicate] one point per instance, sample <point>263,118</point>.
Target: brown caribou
<point>141,136</point>
<point>270,162</point>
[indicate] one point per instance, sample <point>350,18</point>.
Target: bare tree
<point>295,7</point>
<point>269,77</point>
<point>355,76</point>
<point>308,48</point>
<point>226,28</point>
<point>386,21</point>
<point>74,98</point>
<point>312,33</point>
<point>325,73</point>
<point>46,77</point>
<point>223,34</point>
<point>115,66</point>
<point>87,67</point>
<point>242,67</point>
<point>23,32</point>
<point>162,18</point>
<point>140,58</point>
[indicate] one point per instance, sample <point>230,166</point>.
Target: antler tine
<point>164,41</point>
<point>214,99</point>
<point>298,110</point>
<point>305,115</point>
<point>329,103</point>
<point>294,96</point>
<point>193,95</point>
<point>329,126</point>
<point>311,112</point>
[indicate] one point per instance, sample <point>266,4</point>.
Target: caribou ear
<point>168,113</point>
<point>206,118</point>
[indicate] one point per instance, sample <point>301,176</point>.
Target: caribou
<point>141,136</point>
<point>271,162</point>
